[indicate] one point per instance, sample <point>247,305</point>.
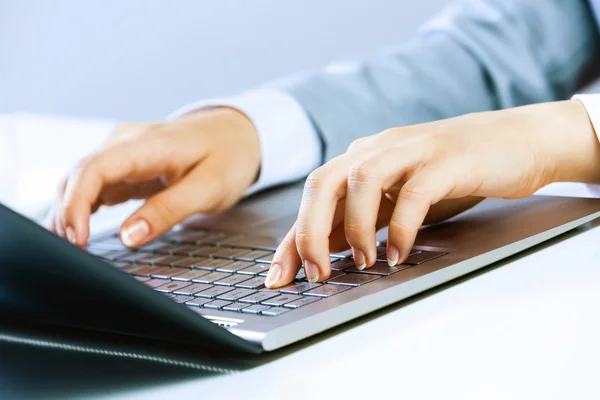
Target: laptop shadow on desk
<point>51,362</point>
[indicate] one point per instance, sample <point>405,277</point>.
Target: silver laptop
<point>203,283</point>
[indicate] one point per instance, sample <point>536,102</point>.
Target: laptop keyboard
<point>222,271</point>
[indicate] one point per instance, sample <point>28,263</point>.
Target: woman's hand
<point>202,162</point>
<point>395,177</point>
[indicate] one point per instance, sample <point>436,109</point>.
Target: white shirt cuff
<point>591,102</point>
<point>290,145</point>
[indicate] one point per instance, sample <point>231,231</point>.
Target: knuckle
<point>360,173</point>
<point>304,239</point>
<point>315,180</point>
<point>356,144</point>
<point>412,192</point>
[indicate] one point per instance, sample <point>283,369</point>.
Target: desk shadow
<point>28,371</point>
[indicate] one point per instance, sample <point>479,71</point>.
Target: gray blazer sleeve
<point>476,55</point>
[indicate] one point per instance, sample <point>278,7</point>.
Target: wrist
<point>570,147</point>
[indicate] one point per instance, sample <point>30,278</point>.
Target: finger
<point>337,240</point>
<point>425,188</point>
<point>363,199</point>
<point>286,262</point>
<point>129,160</point>
<point>199,191</point>
<point>322,191</point>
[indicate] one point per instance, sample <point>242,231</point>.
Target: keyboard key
<point>335,274</point>
<point>185,236</point>
<point>177,249</point>
<point>153,259</point>
<point>342,264</point>
<point>132,268</point>
<point>142,278</point>
<point>258,282</point>
<point>275,311</point>
<point>198,302</point>
<point>121,265</point>
<point>298,288</point>
<point>111,243</point>
<point>255,309</point>
<point>156,282</point>
<point>258,297</point>
<point>172,286</point>
<point>211,264</point>
<point>281,300</point>
<point>100,251</point>
<point>204,251</point>
<point>214,292</point>
<point>168,272</point>
<point>134,257</point>
<point>169,261</point>
<point>343,254</point>
<point>380,268</point>
<point>228,252</point>
<point>382,253</point>
<point>255,269</point>
<point>266,259</point>
<point>236,294</point>
<point>423,257</point>
<point>302,302</point>
<point>235,266</point>
<point>353,279</point>
<point>190,274</point>
<point>217,304</point>
<point>214,238</point>
<point>227,239</point>
<point>301,275</point>
<point>153,247</point>
<point>182,299</point>
<point>112,255</point>
<point>327,290</point>
<point>252,255</point>
<point>193,289</point>
<point>257,242</point>
<point>211,277</point>
<point>235,307</point>
<point>148,270</point>
<point>232,280</point>
<point>187,262</point>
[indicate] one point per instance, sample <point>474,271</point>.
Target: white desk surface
<point>528,329</point>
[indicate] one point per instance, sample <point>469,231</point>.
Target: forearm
<point>475,56</point>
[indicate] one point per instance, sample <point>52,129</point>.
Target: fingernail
<point>135,233</point>
<point>311,271</point>
<point>392,256</point>
<point>71,237</point>
<point>359,259</point>
<point>273,275</point>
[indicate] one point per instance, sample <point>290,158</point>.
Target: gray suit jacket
<point>475,55</point>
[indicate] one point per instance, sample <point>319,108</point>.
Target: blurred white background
<point>101,61</point>
<point>140,59</point>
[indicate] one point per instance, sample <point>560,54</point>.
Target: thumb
<point>198,191</point>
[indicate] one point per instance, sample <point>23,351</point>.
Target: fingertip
<point>135,233</point>
<point>71,235</point>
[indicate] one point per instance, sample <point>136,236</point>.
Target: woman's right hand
<point>200,163</point>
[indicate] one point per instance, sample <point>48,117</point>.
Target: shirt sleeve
<point>290,146</point>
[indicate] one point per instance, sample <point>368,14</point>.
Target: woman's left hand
<point>395,177</point>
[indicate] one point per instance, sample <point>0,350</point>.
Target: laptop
<point>203,282</point>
